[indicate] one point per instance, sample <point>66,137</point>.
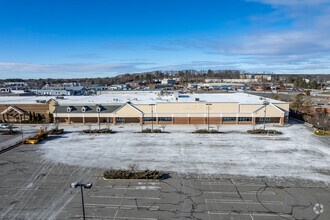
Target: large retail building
<point>231,108</point>
<point>152,107</point>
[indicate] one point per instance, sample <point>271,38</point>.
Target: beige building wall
<point>244,108</point>
<point>271,111</point>
<point>128,111</point>
<point>284,106</point>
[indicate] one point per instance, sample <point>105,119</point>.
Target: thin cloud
<point>87,56</point>
<point>48,69</point>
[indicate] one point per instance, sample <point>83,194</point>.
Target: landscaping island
<point>128,174</point>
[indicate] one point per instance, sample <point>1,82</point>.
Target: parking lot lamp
<point>208,115</point>
<point>87,186</point>
<point>265,103</point>
<point>152,117</point>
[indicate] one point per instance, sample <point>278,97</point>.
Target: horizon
<point>79,39</point>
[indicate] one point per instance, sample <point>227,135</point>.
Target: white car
<point>4,126</point>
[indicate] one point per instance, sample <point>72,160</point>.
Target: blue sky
<point>80,38</point>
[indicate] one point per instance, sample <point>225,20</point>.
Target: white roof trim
<point>259,109</point>
<point>277,108</point>
<point>14,108</point>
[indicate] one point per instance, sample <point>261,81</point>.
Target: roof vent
<point>68,109</point>
<point>98,109</point>
<point>83,109</point>
<point>197,99</point>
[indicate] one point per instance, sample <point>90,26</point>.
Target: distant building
<point>61,91</point>
<point>119,87</point>
<point>168,82</point>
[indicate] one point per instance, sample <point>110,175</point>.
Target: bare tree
<point>89,128</point>
<point>56,125</point>
<point>163,127</point>
<point>196,126</point>
<point>133,167</point>
<point>10,129</point>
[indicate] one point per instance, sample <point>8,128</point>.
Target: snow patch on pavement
<point>297,153</point>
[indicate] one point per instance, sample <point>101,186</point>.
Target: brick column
<point>282,121</point>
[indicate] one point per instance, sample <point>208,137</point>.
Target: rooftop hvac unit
<point>69,109</point>
<point>98,108</point>
<point>83,109</point>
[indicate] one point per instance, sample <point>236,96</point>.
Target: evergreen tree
<point>34,117</point>
<point>51,117</point>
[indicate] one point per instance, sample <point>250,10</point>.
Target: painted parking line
<point>131,188</point>
<point>239,201</point>
<point>323,194</point>
<point>125,207</point>
<point>242,193</point>
<point>231,184</point>
<point>137,187</point>
<point>113,217</point>
<point>126,197</point>
<point>253,214</point>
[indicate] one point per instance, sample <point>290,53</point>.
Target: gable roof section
<point>130,105</point>
<point>19,111</point>
<point>270,104</point>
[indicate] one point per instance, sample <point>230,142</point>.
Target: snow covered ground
<point>296,153</point>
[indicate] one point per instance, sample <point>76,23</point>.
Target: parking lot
<point>32,187</point>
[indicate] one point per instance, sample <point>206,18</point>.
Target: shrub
<point>205,131</point>
<point>99,131</point>
<point>321,133</point>
<point>148,130</point>
<point>55,131</point>
<point>127,174</point>
<point>262,131</point>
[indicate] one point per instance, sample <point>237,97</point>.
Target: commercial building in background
<point>61,91</point>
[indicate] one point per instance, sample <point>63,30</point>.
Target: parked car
<point>4,126</point>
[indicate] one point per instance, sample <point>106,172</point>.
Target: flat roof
<point>142,98</point>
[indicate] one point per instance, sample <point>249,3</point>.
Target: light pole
<point>152,117</point>
<point>87,186</point>
<point>265,103</point>
<point>208,115</point>
<point>55,119</point>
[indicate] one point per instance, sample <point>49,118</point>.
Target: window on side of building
<point>120,119</point>
<point>267,119</point>
<point>245,119</point>
<point>163,119</point>
<point>149,118</point>
<point>229,119</point>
